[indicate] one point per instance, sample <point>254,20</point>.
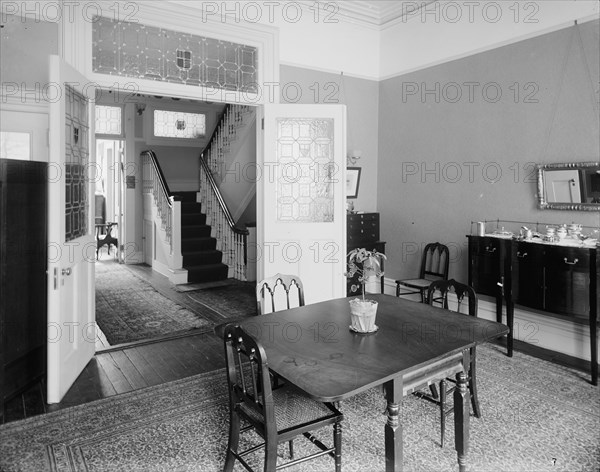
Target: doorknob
<point>66,271</point>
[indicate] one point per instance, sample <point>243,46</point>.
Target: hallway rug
<point>537,416</point>
<point>234,299</point>
<point>129,309</point>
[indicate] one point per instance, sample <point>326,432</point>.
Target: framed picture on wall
<point>352,181</point>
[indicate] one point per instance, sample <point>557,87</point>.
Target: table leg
<point>462,409</point>
<point>393,427</point>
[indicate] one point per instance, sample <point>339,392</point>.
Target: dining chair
<point>441,289</point>
<point>434,266</point>
<point>279,292</point>
<point>276,415</point>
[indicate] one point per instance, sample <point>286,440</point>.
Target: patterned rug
<point>237,299</point>
<point>536,417</point>
<point>129,309</point>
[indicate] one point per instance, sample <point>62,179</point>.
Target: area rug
<point>129,309</point>
<point>536,417</point>
<point>233,300</point>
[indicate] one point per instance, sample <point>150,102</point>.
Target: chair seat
<point>415,283</point>
<point>293,409</point>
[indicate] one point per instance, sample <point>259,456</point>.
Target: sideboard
<point>547,277</point>
<point>362,230</point>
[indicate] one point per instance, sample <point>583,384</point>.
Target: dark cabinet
<point>527,275</point>
<point>362,230</point>
<point>22,275</point>
<point>550,278</point>
<point>567,281</point>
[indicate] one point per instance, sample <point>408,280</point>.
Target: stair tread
<point>204,267</point>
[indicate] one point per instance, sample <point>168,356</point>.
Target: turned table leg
<point>462,410</point>
<point>393,427</point>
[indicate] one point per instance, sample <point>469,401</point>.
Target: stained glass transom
<point>176,124</point>
<point>76,160</point>
<point>306,170</point>
<point>148,52</point>
<point>108,120</point>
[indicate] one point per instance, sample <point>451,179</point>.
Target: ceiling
<point>378,12</point>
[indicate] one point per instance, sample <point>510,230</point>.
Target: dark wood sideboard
<point>363,231</point>
<point>549,278</point>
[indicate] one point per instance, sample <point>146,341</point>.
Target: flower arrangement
<point>365,264</point>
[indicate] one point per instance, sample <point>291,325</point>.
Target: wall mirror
<point>569,186</point>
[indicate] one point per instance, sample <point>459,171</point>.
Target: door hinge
<point>55,278</point>
<point>262,123</point>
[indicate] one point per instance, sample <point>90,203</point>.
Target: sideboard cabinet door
<point>567,281</point>
<point>528,274</point>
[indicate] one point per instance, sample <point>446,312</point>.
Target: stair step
<point>197,258</point>
<point>195,231</point>
<point>207,273</point>
<point>198,244</point>
<point>193,219</point>
<point>191,207</point>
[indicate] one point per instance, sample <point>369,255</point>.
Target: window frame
<point>111,136</point>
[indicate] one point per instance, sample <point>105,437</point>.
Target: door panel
<point>301,197</point>
<point>71,247</point>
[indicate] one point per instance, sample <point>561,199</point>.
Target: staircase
<point>200,257</point>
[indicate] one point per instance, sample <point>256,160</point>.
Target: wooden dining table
<point>415,345</point>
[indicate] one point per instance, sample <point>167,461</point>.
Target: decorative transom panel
<point>108,120</point>
<point>306,169</point>
<point>177,124</point>
<point>76,160</point>
<point>148,52</point>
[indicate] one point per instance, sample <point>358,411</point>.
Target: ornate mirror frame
<point>541,190</point>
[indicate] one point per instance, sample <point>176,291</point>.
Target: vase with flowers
<point>362,265</point>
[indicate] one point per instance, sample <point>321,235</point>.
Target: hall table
<point>313,348</point>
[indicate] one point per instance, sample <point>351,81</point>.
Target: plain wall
<point>299,85</point>
<point>445,162</point>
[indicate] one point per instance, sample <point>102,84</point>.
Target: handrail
<point>222,204</point>
<point>161,178</point>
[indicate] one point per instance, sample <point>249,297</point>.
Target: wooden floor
<point>120,369</point>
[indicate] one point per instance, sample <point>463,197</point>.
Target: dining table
<point>415,345</point>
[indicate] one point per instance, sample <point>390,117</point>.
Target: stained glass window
<point>177,124</point>
<point>305,169</point>
<point>108,120</point>
<point>76,159</point>
<point>147,52</point>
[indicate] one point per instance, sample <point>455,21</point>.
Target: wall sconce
<point>353,157</point>
<point>139,108</point>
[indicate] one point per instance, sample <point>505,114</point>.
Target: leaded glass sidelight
<point>148,52</point>
<point>76,159</point>
<point>305,163</point>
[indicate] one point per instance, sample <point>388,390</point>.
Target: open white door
<point>301,197</point>
<point>71,244</point>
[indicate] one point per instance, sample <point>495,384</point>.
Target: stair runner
<point>200,257</point>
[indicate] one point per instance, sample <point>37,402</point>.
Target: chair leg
<point>434,392</point>
<point>397,289</point>
<point>443,410</point>
<point>423,297</point>
<point>337,443</point>
<point>234,439</point>
<point>291,444</point>
<point>270,456</point>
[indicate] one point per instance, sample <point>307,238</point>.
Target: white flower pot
<point>362,315</point>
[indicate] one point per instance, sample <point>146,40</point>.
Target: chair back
<point>445,287</point>
<point>279,292</point>
<point>248,379</point>
<point>435,262</point>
